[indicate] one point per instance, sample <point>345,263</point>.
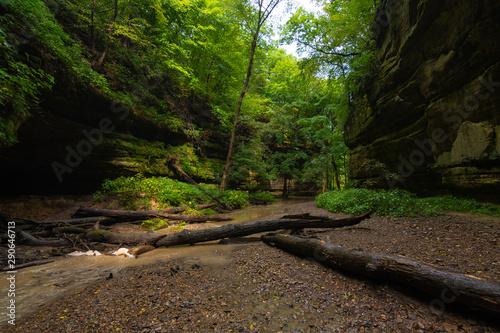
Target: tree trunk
<point>92,38</point>
<point>327,178</point>
<point>136,251</point>
<point>73,222</point>
<point>33,241</point>
<point>346,173</point>
<point>110,33</point>
<point>123,238</point>
<point>443,284</point>
<point>132,215</point>
<point>336,173</point>
<point>263,15</point>
<point>223,183</point>
<point>285,187</point>
<point>244,229</point>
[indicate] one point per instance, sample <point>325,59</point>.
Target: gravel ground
<point>256,288</point>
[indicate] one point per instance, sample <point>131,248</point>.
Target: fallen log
<point>136,251</point>
<point>72,222</point>
<point>123,238</point>
<point>473,292</point>
<point>132,215</point>
<point>69,230</point>
<point>33,241</point>
<point>244,229</point>
<point>28,264</point>
<point>239,240</point>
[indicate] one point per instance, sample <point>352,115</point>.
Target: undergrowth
<point>452,203</point>
<point>140,192</point>
<point>397,203</point>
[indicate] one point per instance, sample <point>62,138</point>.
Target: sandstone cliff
<point>429,120</point>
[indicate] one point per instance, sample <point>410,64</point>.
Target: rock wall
<point>77,138</point>
<point>429,120</point>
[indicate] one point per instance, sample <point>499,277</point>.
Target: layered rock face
<point>429,120</point>
<point>76,139</point>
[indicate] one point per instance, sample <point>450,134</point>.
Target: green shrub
<point>262,198</point>
<point>380,202</point>
<point>452,203</point>
<point>234,199</point>
<point>154,224</point>
<point>397,203</point>
<point>139,192</point>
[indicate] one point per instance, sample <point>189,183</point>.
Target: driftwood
<point>195,236</point>
<point>239,240</point>
<point>467,290</point>
<point>72,222</point>
<point>244,229</point>
<point>28,264</point>
<point>136,251</point>
<point>123,238</point>
<point>132,215</point>
<point>31,240</point>
<point>171,163</point>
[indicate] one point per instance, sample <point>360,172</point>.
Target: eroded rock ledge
<point>430,119</point>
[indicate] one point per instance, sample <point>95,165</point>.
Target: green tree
<point>263,11</point>
<point>339,39</point>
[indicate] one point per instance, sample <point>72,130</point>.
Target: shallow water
<point>41,285</point>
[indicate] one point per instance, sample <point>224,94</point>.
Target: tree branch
<point>319,50</point>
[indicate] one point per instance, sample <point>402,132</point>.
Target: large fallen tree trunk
<point>244,229</point>
<point>197,236</point>
<point>33,241</point>
<point>441,283</point>
<point>132,215</point>
<point>72,222</point>
<point>123,238</point>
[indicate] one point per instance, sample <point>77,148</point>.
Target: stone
<point>474,142</point>
<point>428,120</point>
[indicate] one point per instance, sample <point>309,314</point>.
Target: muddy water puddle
<point>38,286</point>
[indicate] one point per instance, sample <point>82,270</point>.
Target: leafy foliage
<point>178,65</point>
<point>397,203</point>
<point>21,86</point>
<point>381,202</point>
<point>154,224</point>
<point>262,198</point>
<point>452,203</point>
<point>141,192</point>
<point>338,40</point>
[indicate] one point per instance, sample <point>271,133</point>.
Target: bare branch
<point>319,50</point>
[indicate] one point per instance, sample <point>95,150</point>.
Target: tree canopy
<point>291,121</point>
